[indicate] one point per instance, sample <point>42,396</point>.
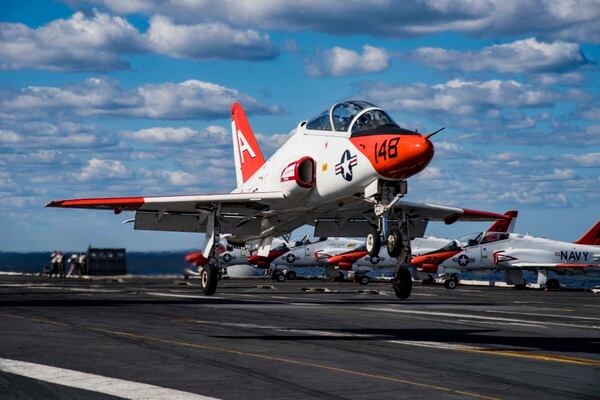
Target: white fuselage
<point>304,255</point>
<point>525,252</point>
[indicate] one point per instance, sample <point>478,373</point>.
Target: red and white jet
<point>343,172</point>
<point>515,253</point>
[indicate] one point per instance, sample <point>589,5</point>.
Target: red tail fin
<point>505,225</point>
<point>248,157</point>
<point>592,236</point>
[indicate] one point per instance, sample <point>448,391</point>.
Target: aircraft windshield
<point>494,237</point>
<point>453,245</point>
<point>320,122</point>
<point>282,246</point>
<point>471,240</point>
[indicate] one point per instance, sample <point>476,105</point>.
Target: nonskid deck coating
<point>258,339</point>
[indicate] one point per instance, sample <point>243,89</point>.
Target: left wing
<point>356,220</point>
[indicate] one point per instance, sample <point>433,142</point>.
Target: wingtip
<point>54,203</point>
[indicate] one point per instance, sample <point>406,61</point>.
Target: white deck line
<point>95,383</point>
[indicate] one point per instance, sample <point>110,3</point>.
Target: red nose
<point>396,156</point>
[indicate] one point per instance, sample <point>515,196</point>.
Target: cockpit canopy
<point>482,237</point>
<point>359,118</point>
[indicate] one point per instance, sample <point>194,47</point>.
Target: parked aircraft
<point>343,172</point>
<point>301,253</point>
<point>360,262</point>
<point>428,262</point>
<point>514,253</point>
<point>228,255</point>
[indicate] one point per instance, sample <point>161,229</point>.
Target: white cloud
<point>212,40</point>
<point>211,135</point>
<point>458,96</point>
<point>564,19</point>
<point>191,99</point>
<point>527,55</point>
<point>97,42</point>
<point>9,137</point>
<point>567,78</point>
<point>80,43</point>
<point>339,61</point>
<point>102,169</point>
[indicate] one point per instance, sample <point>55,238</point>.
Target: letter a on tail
<point>248,157</point>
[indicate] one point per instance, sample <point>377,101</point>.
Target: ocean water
<point>173,263</point>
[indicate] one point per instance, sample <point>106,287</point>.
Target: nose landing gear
<point>385,195</point>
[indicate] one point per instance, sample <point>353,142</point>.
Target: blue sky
<point>103,98</point>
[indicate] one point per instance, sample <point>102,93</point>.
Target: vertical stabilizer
<point>592,236</point>
<point>505,225</point>
<point>248,157</point>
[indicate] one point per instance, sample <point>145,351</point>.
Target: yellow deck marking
<point>537,356</point>
<point>260,356</point>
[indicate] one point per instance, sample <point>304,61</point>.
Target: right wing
<point>241,213</point>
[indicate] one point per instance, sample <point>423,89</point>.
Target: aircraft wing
<point>355,220</point>
<point>241,213</point>
<point>448,214</point>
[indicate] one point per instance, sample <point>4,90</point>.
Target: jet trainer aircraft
<point>515,253</point>
<point>428,262</point>
<point>343,172</point>
<point>358,260</point>
<point>300,254</point>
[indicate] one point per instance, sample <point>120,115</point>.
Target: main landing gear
<point>391,228</point>
<point>209,274</point>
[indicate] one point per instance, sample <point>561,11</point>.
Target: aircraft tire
<point>208,279</point>
<point>402,283</point>
<point>363,280</point>
<point>291,275</point>
<point>451,283</point>
<point>373,243</point>
<point>394,243</point>
<point>280,277</point>
<point>553,284</point>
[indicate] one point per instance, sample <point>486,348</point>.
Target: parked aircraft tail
<point>247,154</point>
<point>592,236</point>
<point>505,225</point>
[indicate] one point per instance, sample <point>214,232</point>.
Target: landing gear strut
<point>384,195</point>
<point>209,275</point>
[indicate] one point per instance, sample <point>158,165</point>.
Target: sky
<point>102,98</point>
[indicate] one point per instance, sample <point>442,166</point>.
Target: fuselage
<point>325,162</point>
<point>517,251</point>
<point>358,258</point>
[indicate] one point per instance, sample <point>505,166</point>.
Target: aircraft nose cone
<point>414,154</point>
<point>396,156</point>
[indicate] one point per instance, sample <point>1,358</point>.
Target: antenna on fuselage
<point>429,135</point>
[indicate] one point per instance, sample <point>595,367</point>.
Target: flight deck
<point>144,338</point>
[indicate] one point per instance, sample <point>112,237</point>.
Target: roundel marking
<point>463,260</point>
<point>374,260</point>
